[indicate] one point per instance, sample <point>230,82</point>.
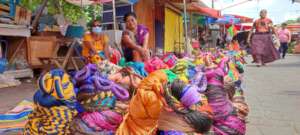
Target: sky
<point>278,10</point>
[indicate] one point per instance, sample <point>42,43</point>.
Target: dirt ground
<point>10,97</point>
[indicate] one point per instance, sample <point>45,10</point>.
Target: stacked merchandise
<point>54,105</point>
<point>99,99</point>
<point>15,120</point>
<point>165,96</point>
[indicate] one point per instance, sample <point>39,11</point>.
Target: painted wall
<point>145,11</point>
<point>174,40</point>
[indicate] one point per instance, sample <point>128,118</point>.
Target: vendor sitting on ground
<point>234,45</point>
<point>95,44</point>
<point>135,40</point>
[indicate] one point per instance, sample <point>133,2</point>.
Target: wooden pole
<point>185,27</point>
<point>114,14</point>
<point>38,15</point>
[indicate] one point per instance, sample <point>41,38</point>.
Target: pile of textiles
<point>138,67</point>
<point>216,77</point>
<point>228,117</point>
<point>165,96</point>
<point>14,121</point>
<point>184,69</point>
<point>169,59</point>
<point>54,105</point>
<point>99,101</point>
<point>155,64</point>
<point>107,68</point>
<point>166,107</point>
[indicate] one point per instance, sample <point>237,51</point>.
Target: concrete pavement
<point>273,94</point>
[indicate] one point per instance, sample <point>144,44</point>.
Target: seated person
<point>95,44</point>
<point>234,45</point>
<point>135,40</point>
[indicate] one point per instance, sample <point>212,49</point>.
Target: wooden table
<point>62,61</point>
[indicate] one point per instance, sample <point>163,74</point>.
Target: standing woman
<point>135,40</point>
<point>263,50</point>
<point>284,38</point>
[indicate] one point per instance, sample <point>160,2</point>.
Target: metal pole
<point>212,3</point>
<point>185,27</point>
<point>114,14</point>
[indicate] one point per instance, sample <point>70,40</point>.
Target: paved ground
<point>273,93</point>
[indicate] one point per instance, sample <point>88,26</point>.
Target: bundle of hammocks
<point>55,103</point>
<point>98,97</point>
<point>184,69</point>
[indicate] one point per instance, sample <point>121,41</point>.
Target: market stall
<point>14,30</point>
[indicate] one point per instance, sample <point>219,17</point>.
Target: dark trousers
<point>283,49</point>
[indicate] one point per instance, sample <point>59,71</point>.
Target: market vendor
<point>135,40</point>
<point>95,44</point>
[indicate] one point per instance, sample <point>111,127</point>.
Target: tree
<point>71,12</point>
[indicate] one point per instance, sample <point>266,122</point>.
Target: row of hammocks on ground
<point>164,96</point>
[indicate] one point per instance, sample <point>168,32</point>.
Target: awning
<point>89,2</point>
<point>243,19</point>
<point>195,7</point>
<point>228,19</point>
<point>198,8</point>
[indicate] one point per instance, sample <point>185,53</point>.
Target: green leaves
<point>71,12</point>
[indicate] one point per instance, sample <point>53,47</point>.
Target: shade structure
<point>199,8</point>
<point>195,7</point>
<point>243,19</point>
<point>228,19</point>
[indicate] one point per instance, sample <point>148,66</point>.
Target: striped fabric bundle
<point>98,96</point>
<point>138,68</point>
<point>15,120</point>
<point>107,68</point>
<point>226,121</point>
<point>155,64</point>
<point>184,69</point>
<point>170,60</point>
<point>55,103</point>
<point>54,120</point>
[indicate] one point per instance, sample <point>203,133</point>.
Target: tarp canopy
<point>243,19</point>
<point>198,8</point>
<point>195,7</point>
<point>89,2</point>
<point>228,19</point>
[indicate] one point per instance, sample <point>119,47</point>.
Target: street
<point>273,94</point>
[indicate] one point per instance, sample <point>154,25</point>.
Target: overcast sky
<point>278,10</point>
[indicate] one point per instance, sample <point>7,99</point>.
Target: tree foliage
<point>70,11</point>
